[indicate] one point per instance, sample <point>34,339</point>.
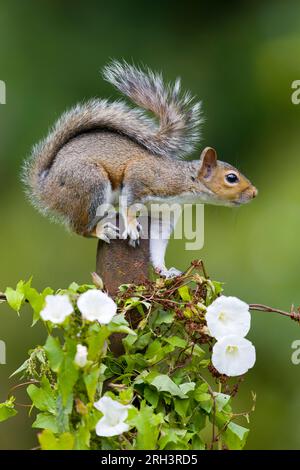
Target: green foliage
<point>7,409</point>
<point>178,400</point>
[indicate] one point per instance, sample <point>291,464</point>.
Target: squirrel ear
<point>208,159</point>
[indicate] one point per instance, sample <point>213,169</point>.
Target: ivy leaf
<point>43,398</point>
<point>151,396</point>
<point>91,382</point>
<point>197,443</point>
<point>7,409</point>
<point>187,387</point>
<point>156,352</point>
<point>15,297</point>
<point>20,369</point>
<point>54,353</point>
<point>73,287</point>
<point>163,383</point>
<point>119,324</point>
<point>173,435</point>
<point>82,438</point>
<point>176,341</point>
<point>181,407</point>
<point>163,316</point>
<point>63,412</point>
<point>45,421</point>
<point>68,372</point>
<point>221,400</point>
<point>147,425</point>
<point>235,436</point>
<point>48,441</point>
<point>37,301</point>
<point>198,420</point>
<point>96,339</point>
<point>204,398</point>
<point>140,343</point>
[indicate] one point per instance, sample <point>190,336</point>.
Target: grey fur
<point>176,134</point>
<point>179,118</point>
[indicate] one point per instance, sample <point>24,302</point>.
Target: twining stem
<point>220,438</point>
<point>294,315</point>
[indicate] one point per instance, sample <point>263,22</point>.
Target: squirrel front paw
<point>168,273</point>
<point>133,231</point>
<point>106,231</point>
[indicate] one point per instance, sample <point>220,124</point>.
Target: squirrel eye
<point>231,178</point>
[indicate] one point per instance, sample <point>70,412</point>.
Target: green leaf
<point>45,421</point>
<point>147,425</point>
<point>91,382</point>
<point>176,341</point>
<point>37,301</point>
<point>119,324</point>
<point>181,407</point>
<point>173,435</point>
<point>163,316</point>
<point>205,399</point>
<point>68,375</point>
<point>54,353</point>
<point>63,413</point>
<point>15,297</point>
<point>97,336</point>
<point>151,395</point>
<point>82,438</point>
<point>141,342</point>
<point>20,369</point>
<point>198,420</point>
<point>43,398</point>
<point>184,293</point>
<point>48,441</point>
<point>235,436</point>
<point>187,387</point>
<point>73,287</point>
<point>163,383</point>
<point>221,400</point>
<point>197,443</point>
<point>156,352</point>
<point>7,409</point>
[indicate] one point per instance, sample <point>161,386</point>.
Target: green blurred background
<point>240,58</point>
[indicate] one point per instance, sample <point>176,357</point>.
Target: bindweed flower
<point>228,316</point>
<point>114,416</point>
<point>57,308</point>
<point>81,355</point>
<point>233,355</point>
<point>97,305</point>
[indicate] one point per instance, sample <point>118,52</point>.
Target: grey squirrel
<point>99,149</point>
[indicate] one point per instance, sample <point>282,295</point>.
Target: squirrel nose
<point>254,193</point>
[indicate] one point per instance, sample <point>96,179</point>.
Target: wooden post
<point>118,263</point>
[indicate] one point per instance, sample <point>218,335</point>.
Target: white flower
<point>96,305</point>
<point>233,355</point>
<point>114,416</point>
<point>57,308</point>
<point>228,316</point>
<point>81,355</point>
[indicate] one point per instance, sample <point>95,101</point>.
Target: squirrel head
<point>227,185</point>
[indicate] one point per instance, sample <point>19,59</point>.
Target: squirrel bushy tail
<point>174,135</point>
<point>179,118</point>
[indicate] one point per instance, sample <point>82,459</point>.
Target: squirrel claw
<point>133,231</point>
<point>106,231</point>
